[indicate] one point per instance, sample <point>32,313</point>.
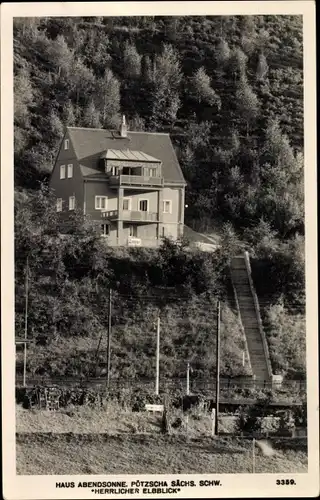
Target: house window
<point>105,230</point>
<point>62,171</point>
<point>66,144</point>
<point>144,205</point>
<point>70,170</point>
<point>167,206</point>
<point>128,171</point>
<point>72,202</point>
<point>133,231</point>
<point>101,202</point>
<point>163,232</point>
<point>114,171</point>
<point>59,204</point>
<point>151,172</point>
<point>126,204</point>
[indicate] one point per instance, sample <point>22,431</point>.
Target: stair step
<point>248,314</point>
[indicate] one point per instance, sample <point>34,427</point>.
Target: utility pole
<point>158,354</point>
<point>253,456</point>
<point>217,368</point>
<point>109,337</point>
<point>188,379</point>
<point>26,323</point>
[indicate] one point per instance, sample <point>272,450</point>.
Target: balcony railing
<point>136,180</point>
<point>109,214</point>
<point>131,215</point>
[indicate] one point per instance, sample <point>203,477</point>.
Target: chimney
<point>123,128</point>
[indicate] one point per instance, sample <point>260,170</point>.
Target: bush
<point>250,419</point>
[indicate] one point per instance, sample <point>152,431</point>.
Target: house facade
<point>130,183</point>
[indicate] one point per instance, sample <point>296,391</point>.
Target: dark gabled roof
<point>89,142</point>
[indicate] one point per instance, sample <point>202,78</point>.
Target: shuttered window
<point>72,202</point>
<point>62,171</point>
<point>70,170</point>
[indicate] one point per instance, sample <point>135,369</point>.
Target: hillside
<point>230,92</point>
<point>68,285</point>
<point>229,89</point>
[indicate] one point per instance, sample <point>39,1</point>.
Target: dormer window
<point>62,171</point>
<point>66,144</point>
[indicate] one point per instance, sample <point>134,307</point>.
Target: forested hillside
<point>230,92</point>
<point>229,89</point>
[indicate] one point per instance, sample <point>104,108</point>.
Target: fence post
<point>253,456</point>
<point>213,421</point>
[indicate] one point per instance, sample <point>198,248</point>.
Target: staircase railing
<point>258,315</point>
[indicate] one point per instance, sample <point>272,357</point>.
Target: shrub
<point>250,417</point>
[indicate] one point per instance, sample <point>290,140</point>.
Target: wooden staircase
<point>250,317</point>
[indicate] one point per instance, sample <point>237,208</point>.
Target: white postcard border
<point>233,485</point>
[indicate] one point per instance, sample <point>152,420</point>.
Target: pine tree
<point>23,97</point>
<point>277,145</point>
<point>203,91</point>
<point>238,62</point>
<point>137,123</point>
<point>167,71</point>
<point>262,68</point>
<point>147,71</point>
<point>108,89</point>
<point>249,37</point>
<point>68,114</point>
<point>166,82</point>
<point>247,102</point>
<point>235,142</point>
<point>262,39</point>
<point>282,174</point>
<point>223,52</point>
<point>55,125</point>
<point>61,56</point>
<point>131,61</point>
<point>82,81</point>
<point>91,116</point>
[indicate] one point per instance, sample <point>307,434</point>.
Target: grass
<point>146,454</point>
<point>111,419</point>
<point>113,440</point>
<point>80,419</point>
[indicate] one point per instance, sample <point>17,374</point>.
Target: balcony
<point>109,214</point>
<point>131,216</point>
<point>136,181</point>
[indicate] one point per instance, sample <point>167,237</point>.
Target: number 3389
<point>286,482</point>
